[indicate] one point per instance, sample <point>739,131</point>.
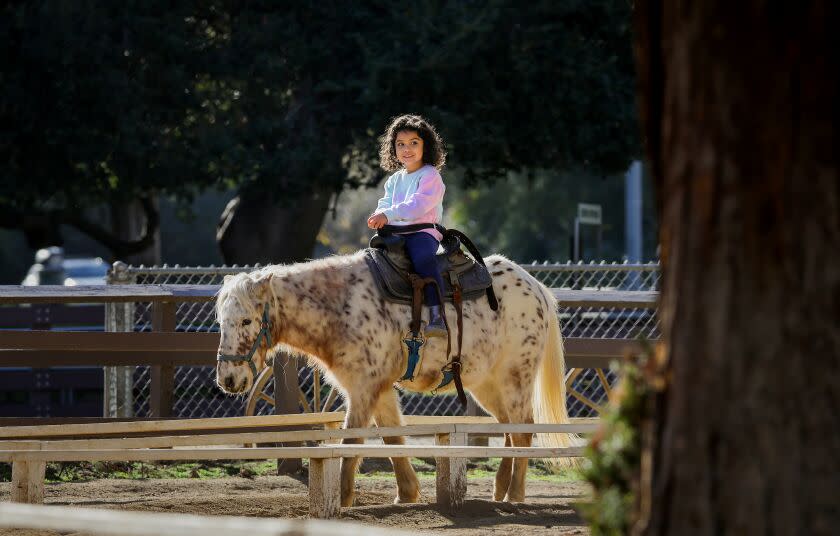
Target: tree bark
<point>129,223</point>
<point>739,109</point>
<point>255,229</point>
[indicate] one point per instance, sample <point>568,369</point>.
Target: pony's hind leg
<point>503,475</point>
<point>510,405</point>
<point>489,397</point>
<point>519,410</point>
<point>386,414</point>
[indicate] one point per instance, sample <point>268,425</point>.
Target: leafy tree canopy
<point>109,102</point>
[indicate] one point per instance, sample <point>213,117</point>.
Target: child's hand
<point>377,220</point>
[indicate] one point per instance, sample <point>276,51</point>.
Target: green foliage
<point>533,219</point>
<point>545,85</point>
<point>614,456</point>
<point>111,101</point>
<point>84,471</point>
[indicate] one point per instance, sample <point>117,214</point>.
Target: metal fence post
<point>118,392</point>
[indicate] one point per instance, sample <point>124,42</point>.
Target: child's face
<point>409,147</point>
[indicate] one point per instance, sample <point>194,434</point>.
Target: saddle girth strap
<point>457,300</point>
<point>416,303</point>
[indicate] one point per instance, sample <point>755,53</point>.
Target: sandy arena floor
<point>548,510</point>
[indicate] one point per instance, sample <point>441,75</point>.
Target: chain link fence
<point>196,394</point>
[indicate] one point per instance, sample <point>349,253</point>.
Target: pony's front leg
<point>358,416</point>
<point>386,414</point>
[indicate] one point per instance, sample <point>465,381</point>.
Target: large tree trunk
<point>254,229</point>
<point>739,107</point>
<point>128,223</point>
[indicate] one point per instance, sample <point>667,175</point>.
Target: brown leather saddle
<point>391,267</point>
<point>463,277</point>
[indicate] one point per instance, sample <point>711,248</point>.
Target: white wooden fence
<point>28,448</point>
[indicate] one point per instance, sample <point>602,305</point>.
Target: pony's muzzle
<point>232,378</point>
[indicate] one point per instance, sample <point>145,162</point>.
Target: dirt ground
<point>548,510</point>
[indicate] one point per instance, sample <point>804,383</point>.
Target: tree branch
<point>119,247</point>
<point>46,224</point>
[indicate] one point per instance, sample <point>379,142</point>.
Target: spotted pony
<point>330,311</point>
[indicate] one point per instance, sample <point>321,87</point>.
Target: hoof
<point>406,500</point>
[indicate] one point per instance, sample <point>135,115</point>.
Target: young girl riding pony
<point>414,194</point>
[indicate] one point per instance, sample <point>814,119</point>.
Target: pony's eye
<point>246,322</point>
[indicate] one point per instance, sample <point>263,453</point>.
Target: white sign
<point>590,214</point>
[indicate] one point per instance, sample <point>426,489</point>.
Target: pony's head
<point>243,312</point>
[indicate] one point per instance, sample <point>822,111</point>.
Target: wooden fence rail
<point>163,349</point>
<point>29,455</point>
<point>49,315</point>
<point>65,519</point>
<point>54,349</point>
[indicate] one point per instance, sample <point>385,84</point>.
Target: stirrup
<point>412,350</point>
<point>448,376</point>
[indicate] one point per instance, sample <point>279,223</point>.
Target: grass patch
<point>87,471</point>
<point>537,470</point>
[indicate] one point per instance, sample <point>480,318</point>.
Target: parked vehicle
<point>52,268</point>
<point>85,271</point>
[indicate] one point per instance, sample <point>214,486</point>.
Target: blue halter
<point>265,331</point>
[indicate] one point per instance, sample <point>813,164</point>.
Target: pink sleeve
<point>429,194</point>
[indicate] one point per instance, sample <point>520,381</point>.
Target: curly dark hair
<point>433,150</point>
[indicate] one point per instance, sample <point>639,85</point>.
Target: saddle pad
<point>392,278</point>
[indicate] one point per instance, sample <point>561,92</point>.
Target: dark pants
<point>421,248</point>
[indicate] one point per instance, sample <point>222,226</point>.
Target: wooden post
<point>451,474</point>
<point>28,482</point>
<point>286,402</point>
<point>162,376</point>
<point>324,487</point>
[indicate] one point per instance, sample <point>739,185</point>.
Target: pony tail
<point>549,397</point>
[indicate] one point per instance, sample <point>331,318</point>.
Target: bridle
<point>265,331</point>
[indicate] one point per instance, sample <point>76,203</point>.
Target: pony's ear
<point>227,278</point>
<point>263,278</point>
<point>260,284</point>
